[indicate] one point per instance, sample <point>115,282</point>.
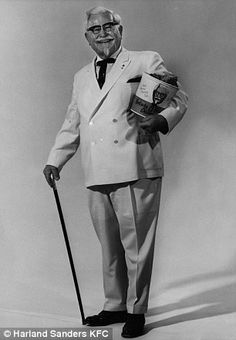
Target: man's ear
<point>120,28</point>
<point>87,37</point>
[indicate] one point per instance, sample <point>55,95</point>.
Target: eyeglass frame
<point>108,29</point>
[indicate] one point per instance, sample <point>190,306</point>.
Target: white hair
<point>102,10</point>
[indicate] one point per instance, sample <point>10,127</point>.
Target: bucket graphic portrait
<point>159,94</point>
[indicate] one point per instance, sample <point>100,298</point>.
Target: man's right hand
<point>51,173</point>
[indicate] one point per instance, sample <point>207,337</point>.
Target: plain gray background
<point>42,46</point>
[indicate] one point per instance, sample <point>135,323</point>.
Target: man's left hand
<point>154,123</point>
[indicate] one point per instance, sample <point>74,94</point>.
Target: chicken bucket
<point>152,96</point>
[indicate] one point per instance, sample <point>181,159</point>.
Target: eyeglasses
<point>108,27</point>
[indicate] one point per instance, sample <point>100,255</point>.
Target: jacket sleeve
<point>67,139</point>
<point>178,106</point>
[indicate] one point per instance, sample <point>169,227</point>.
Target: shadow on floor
<point>220,300</point>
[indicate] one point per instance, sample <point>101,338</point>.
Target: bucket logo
<point>159,94</point>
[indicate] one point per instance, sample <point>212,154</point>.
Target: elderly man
<point>123,165</point>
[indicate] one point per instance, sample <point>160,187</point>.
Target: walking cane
<point>69,251</point>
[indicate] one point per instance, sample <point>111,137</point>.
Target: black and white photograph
<point>118,169</point>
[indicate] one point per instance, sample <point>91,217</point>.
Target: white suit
<point>97,118</point>
<point>114,152</point>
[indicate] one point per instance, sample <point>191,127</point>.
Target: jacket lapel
<point>100,94</point>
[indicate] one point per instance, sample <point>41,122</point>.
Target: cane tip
<point>84,321</point>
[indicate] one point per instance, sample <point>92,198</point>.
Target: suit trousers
<point>125,219</point>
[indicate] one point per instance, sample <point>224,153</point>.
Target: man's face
<point>108,40</point>
<point>159,95</point>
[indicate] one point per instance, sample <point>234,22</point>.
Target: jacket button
<point>115,141</point>
<point>114,120</point>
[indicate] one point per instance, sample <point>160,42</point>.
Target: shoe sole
<point>132,335</point>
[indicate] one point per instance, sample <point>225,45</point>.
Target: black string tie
<point>102,71</point>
